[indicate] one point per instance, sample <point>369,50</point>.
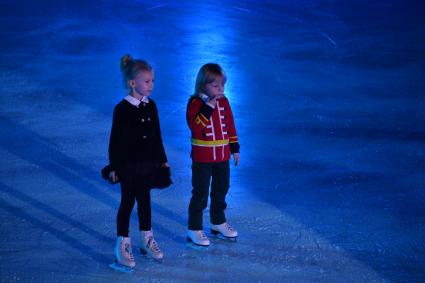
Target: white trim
<point>221,126</point>
<point>213,135</point>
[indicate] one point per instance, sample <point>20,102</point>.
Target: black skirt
<point>155,176</point>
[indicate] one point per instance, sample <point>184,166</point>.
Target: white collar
<point>134,101</point>
<point>204,97</point>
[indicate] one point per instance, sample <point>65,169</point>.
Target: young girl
<point>213,139</point>
<point>135,150</point>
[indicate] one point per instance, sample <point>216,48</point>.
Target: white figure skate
<point>197,239</point>
<point>124,259</point>
<point>150,246</point>
<point>224,231</point>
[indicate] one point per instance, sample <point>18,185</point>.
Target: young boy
<point>214,139</point>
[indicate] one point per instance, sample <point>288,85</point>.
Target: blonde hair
<point>131,67</point>
<point>207,74</point>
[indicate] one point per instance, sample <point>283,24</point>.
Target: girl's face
<point>215,88</point>
<point>142,84</point>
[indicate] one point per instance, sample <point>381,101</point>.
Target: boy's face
<point>215,88</point>
<point>143,83</point>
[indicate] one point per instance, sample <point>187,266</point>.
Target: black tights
<point>133,188</point>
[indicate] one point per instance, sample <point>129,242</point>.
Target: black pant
<point>134,187</point>
<point>218,174</point>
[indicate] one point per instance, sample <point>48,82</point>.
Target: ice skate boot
<point>124,259</point>
<point>224,231</point>
<point>150,246</point>
<point>197,239</point>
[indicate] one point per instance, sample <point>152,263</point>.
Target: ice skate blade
<point>220,236</point>
<point>195,246</point>
<point>145,253</point>
<point>122,268</point>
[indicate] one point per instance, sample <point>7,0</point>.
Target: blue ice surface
<point>328,102</point>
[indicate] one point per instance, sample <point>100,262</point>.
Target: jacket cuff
<point>234,147</point>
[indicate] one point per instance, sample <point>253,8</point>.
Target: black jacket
<point>135,135</point>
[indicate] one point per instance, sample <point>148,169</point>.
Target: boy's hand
<point>212,101</point>
<point>236,158</point>
<point>113,176</point>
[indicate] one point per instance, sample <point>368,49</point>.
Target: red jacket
<point>213,130</point>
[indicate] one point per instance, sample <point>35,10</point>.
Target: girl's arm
<point>160,148</point>
<point>115,145</point>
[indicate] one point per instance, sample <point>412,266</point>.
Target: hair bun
<point>125,60</point>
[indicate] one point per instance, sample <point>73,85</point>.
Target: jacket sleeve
<point>198,114</point>
<point>233,137</point>
<point>157,129</point>
<point>115,145</point>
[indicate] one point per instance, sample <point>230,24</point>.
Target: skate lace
<point>202,235</point>
<point>229,228</point>
<point>128,252</point>
<point>153,245</point>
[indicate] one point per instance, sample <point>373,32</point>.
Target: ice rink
<point>328,99</point>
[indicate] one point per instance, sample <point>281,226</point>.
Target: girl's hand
<point>236,158</point>
<point>165,165</point>
<point>113,176</point>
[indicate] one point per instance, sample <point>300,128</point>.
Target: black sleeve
<point>157,128</point>
<point>206,110</point>
<point>115,145</point>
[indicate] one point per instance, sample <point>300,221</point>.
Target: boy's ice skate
<point>224,231</point>
<point>197,239</point>
<point>150,246</point>
<point>124,259</point>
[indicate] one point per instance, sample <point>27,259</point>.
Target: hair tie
<point>125,60</point>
